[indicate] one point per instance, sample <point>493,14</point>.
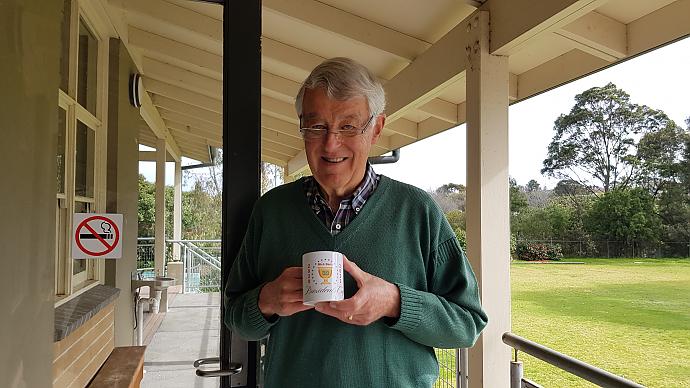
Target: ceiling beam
<point>281,126</point>
<point>432,126</point>
<point>173,49</point>
<point>403,127</point>
<point>557,71</point>
<point>441,109</point>
<point>438,67</point>
<point>184,95</point>
<point>188,133</point>
<point>277,162</point>
<point>659,27</point>
<point>203,26</point>
<point>277,137</point>
<point>279,148</point>
<point>274,155</point>
<point>350,26</point>
<point>279,109</point>
<point>150,156</point>
<point>182,78</point>
<point>285,89</point>
<point>301,61</point>
<point>189,110</point>
<point>191,121</point>
<point>598,35</point>
<point>516,22</point>
<point>297,164</point>
<point>153,119</point>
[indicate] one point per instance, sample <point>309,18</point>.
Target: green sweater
<point>399,235</point>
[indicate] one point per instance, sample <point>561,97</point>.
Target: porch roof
<point>417,48</point>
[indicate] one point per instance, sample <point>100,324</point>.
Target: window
<point>81,153</point>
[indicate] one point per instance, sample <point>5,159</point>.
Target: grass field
<point>628,316</point>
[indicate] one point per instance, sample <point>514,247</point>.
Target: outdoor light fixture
<point>136,88</point>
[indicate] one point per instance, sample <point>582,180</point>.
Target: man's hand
<point>376,298</point>
<point>283,296</point>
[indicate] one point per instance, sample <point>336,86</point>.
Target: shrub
<point>462,238</point>
<point>538,251</point>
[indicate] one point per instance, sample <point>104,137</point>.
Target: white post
<point>159,245</point>
<point>177,210</point>
<point>488,218</point>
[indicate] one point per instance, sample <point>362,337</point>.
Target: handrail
<point>201,253</point>
<point>569,364</point>
<point>210,260</point>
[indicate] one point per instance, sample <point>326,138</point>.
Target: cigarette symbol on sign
<point>107,233</point>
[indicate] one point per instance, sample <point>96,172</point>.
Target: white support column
<point>159,246</point>
<point>488,218</point>
<point>177,209</point>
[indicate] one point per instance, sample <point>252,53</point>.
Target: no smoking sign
<point>97,236</point>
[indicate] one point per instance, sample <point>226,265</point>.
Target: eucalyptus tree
<point>595,144</point>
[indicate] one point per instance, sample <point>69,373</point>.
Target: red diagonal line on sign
<point>86,225</point>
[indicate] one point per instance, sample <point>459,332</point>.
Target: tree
<point>271,176</point>
<point>595,142</point>
<point>624,215</point>
<point>450,196</point>
<point>660,155</point>
<point>456,219</point>
<point>146,207</point>
<point>569,187</point>
<point>532,185</point>
<point>518,199</point>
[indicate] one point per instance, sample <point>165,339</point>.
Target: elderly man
<point>408,288</point>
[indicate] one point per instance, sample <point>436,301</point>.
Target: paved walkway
<point>189,331</point>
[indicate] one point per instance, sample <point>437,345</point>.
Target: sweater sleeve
<point>241,294</point>
<point>449,314</point>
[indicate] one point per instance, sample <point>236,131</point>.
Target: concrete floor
<point>189,331</point>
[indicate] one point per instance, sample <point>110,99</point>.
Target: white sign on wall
<point>97,236</point>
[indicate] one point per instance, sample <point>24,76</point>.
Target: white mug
<point>322,277</point>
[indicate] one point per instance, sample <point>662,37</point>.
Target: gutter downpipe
<point>212,153</point>
<point>386,159</point>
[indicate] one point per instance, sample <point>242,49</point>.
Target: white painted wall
<point>29,79</point>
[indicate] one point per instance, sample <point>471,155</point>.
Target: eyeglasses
<point>346,129</point>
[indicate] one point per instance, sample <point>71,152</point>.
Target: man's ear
<point>378,127</point>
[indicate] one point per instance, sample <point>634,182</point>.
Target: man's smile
<point>333,160</point>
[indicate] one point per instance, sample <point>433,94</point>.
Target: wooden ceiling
<point>415,47</point>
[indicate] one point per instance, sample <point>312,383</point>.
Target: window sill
<point>77,311</point>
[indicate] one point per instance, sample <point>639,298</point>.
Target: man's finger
<point>354,270</point>
<point>348,305</point>
<point>299,307</point>
<point>293,296</point>
<point>325,308</point>
<point>293,272</point>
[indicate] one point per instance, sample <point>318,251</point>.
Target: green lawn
<point>628,316</point>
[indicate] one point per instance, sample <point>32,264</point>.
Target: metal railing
<point>452,365</point>
<point>562,361</point>
<point>201,266</point>
<point>200,258</point>
<point>145,255</point>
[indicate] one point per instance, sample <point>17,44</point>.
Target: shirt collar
<point>358,197</point>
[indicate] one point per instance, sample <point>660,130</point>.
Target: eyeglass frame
<point>337,132</point>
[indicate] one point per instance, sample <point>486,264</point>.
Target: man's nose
<point>331,140</point>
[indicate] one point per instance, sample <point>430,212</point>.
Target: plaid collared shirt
<point>349,207</point>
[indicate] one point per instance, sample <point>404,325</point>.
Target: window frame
<point>68,285</point>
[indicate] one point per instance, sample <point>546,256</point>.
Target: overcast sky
<point>659,79</point>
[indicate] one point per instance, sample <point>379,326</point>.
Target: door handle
<point>234,368</point>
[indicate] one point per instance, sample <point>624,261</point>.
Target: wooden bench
<point>124,368</point>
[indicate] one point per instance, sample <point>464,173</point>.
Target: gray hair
<point>343,78</point>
